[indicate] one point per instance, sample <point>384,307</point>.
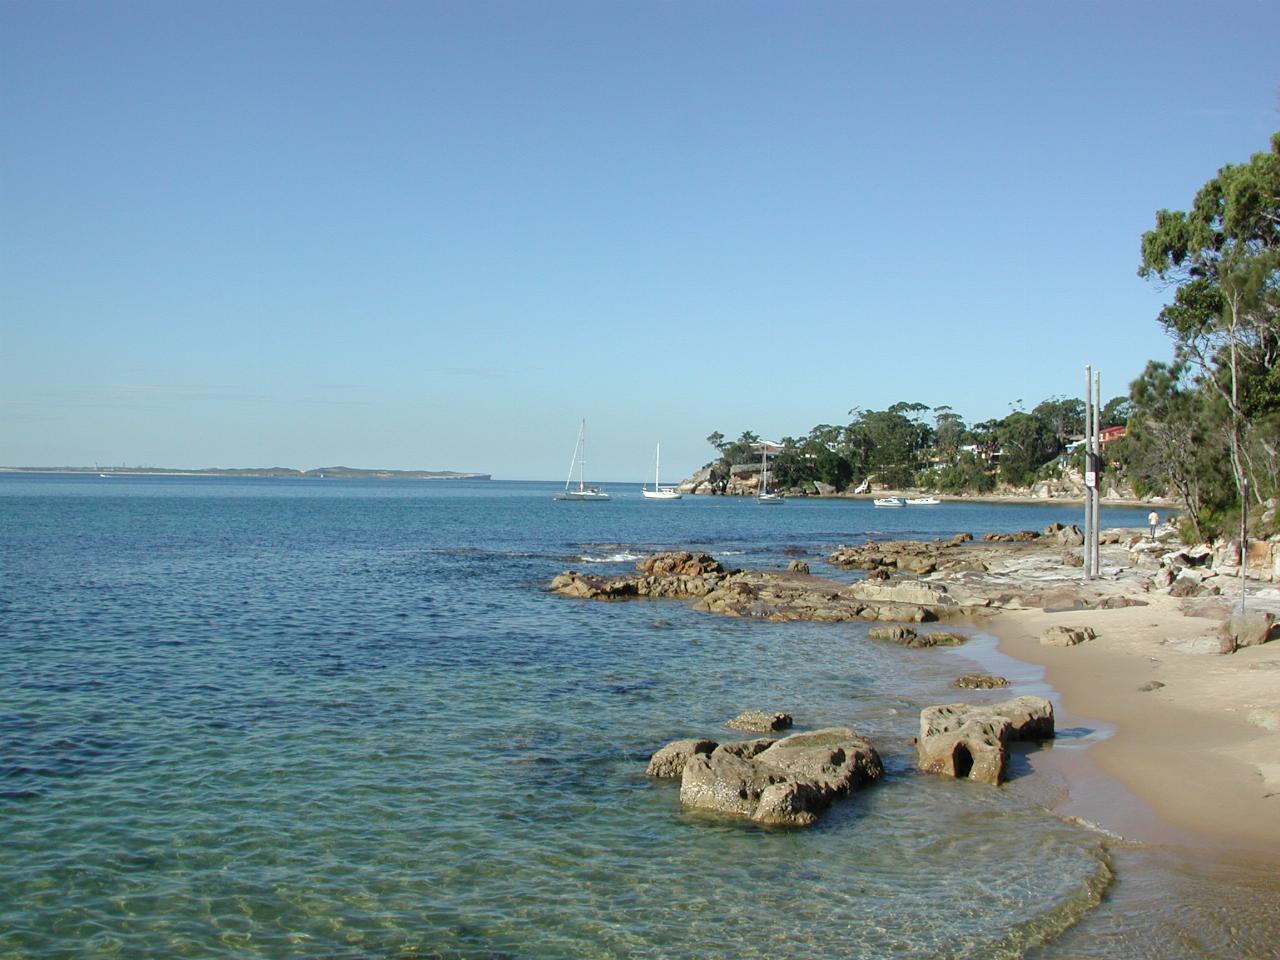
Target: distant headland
<point>320,473</point>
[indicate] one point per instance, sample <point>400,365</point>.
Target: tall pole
<point>1244,540</point>
<point>1088,472</point>
<point>1097,474</point>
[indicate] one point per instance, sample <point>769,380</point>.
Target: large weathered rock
<point>1032,717</point>
<point>1069,535</point>
<point>971,742</point>
<point>1251,628</point>
<point>1062,636</point>
<point>669,762</point>
<point>957,742</point>
<point>895,634</point>
<point>760,721</point>
<point>790,782</point>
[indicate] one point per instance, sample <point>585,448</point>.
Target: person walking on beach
<point>1153,521</point>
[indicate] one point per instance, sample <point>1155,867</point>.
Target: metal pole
<point>1097,468</point>
<point>1244,540</point>
<point>1088,464</point>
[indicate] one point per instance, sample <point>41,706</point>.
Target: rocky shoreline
<point>791,781</point>
<point>743,480</point>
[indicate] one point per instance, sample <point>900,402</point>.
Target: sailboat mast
<point>582,464</point>
<point>657,466</point>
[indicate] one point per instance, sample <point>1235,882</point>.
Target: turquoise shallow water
<point>257,718</point>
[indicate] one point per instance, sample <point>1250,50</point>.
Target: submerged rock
<point>789,782</point>
<point>760,721</point>
<point>980,681</point>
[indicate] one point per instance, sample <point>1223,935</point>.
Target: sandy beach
<point>1199,757</point>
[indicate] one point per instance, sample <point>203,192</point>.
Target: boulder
<point>1116,603</point>
<point>1031,717</point>
<point>798,566</point>
<point>1188,584</point>
<point>760,721</point>
<point>669,762</point>
<point>896,634</point>
<point>1068,536</point>
<point>962,744</point>
<point>790,782</point>
<point>1251,628</point>
<point>1061,636</point>
<point>971,742</point>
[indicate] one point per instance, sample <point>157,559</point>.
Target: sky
<point>436,235</point>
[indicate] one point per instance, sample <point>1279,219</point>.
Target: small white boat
<point>889,502</point>
<point>922,501</point>
<point>581,491</point>
<point>764,496</point>
<point>659,492</point>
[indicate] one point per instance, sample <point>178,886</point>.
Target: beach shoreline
<point>1187,763</point>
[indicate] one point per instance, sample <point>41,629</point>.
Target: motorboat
<point>579,463</point>
<point>922,501</point>
<point>889,502</point>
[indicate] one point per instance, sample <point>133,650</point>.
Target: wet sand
<point>1188,763</point>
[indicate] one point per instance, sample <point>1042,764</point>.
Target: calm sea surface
<point>283,718</point>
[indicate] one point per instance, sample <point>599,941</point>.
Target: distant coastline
<point>320,473</point>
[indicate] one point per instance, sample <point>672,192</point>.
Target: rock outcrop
<point>669,762</point>
<point>764,594</point>
<point>788,782</point>
<point>911,556</point>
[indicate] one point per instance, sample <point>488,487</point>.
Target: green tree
<point>1064,414</point>
<point>1173,446</point>
<point>1116,412</point>
<point>1026,443</point>
<point>1223,259</point>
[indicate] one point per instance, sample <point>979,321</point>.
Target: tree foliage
<point>1222,259</point>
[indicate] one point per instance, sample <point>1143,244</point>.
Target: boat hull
<point>661,494</point>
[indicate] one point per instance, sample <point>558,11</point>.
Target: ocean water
<point>283,718</point>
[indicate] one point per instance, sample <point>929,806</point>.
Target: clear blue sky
<point>435,235</point>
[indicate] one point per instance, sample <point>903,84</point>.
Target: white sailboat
<point>579,462</point>
<point>764,496</point>
<point>659,492</point>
